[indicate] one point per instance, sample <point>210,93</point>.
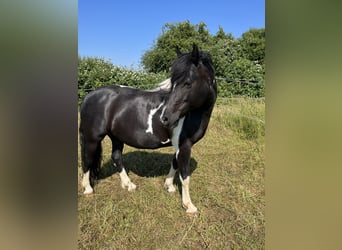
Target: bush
<point>240,60</point>
<point>96,72</point>
<point>234,88</point>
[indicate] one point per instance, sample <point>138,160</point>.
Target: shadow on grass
<point>144,164</point>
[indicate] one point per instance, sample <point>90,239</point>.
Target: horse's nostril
<point>164,120</point>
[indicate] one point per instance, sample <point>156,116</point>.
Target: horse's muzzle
<point>165,121</point>
<point>167,124</point>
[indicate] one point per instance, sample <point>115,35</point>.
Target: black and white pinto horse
<point>151,119</point>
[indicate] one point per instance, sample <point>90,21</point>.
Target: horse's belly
<point>147,141</point>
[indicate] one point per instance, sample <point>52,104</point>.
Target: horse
<point>151,119</point>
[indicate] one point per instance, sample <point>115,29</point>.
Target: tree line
<point>239,62</point>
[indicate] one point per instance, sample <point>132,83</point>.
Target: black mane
<point>181,67</point>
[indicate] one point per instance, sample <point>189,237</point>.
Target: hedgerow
<point>96,72</point>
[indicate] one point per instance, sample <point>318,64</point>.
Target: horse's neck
<point>206,109</point>
<point>209,103</point>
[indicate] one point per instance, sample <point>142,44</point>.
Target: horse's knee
<point>184,172</point>
<point>116,156</point>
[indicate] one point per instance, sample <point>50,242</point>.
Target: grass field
<point>227,187</point>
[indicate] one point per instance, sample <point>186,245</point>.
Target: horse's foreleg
<point>117,159</point>
<point>186,201</point>
<point>169,178</point>
<point>183,160</point>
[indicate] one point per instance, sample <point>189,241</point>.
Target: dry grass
<point>227,186</point>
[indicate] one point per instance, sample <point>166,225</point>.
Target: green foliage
<point>236,89</point>
<point>239,63</point>
<point>251,85</point>
<point>253,45</point>
<point>96,72</point>
<point>239,60</point>
<point>182,35</point>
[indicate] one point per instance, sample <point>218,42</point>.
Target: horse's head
<point>192,85</point>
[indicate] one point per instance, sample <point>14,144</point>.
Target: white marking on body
<point>186,201</point>
<point>125,181</point>
<point>177,154</point>
<point>167,141</point>
<point>169,180</point>
<point>162,113</point>
<point>150,116</point>
<point>124,86</point>
<point>86,183</point>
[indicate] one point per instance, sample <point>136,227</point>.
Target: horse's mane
<point>181,68</point>
<point>182,65</point>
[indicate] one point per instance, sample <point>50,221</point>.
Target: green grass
<point>227,186</point>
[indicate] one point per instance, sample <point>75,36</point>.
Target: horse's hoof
<point>131,187</point>
<point>88,191</point>
<point>170,189</point>
<point>191,210</point>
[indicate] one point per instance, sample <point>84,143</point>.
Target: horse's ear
<point>195,54</point>
<point>178,51</point>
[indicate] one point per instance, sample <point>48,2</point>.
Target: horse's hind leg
<point>117,147</point>
<point>91,156</point>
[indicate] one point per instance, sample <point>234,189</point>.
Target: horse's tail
<point>164,85</point>
<point>91,154</point>
<point>95,171</point>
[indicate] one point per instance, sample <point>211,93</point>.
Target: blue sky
<point>122,31</point>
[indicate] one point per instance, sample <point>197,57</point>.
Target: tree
<point>235,60</point>
<point>223,52</point>
<point>182,35</point>
<point>253,45</point>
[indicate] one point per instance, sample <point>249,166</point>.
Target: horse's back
<point>94,110</point>
<point>103,109</point>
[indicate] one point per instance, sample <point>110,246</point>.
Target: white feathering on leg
<point>86,183</point>
<point>186,201</point>
<point>125,181</point>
